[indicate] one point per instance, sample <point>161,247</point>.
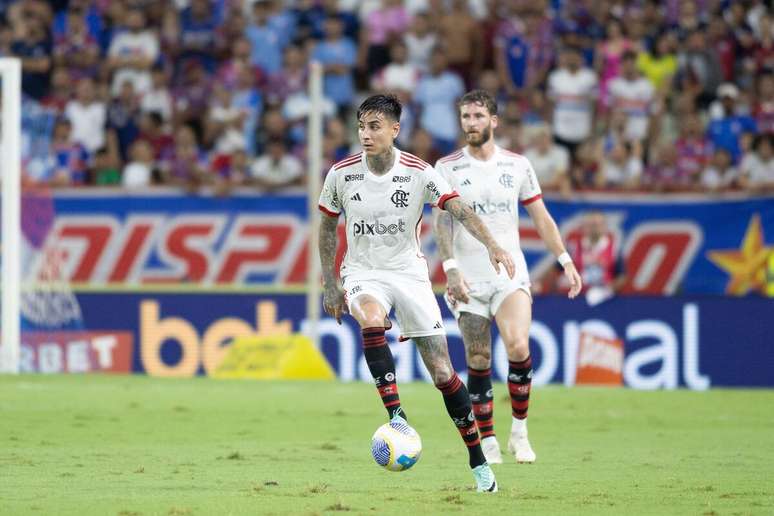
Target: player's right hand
<point>334,303</point>
<point>498,255</point>
<point>456,286</point>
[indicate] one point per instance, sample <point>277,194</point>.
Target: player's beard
<point>477,140</point>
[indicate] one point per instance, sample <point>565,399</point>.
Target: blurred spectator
<point>722,41</point>
<point>277,168</point>
<point>77,48</point>
<point>123,114</point>
<point>187,165</point>
<point>224,124</point>
<point>422,146</point>
<point>338,56</point>
<point>757,167</point>
<point>699,67</point>
<point>692,149</point>
<point>398,76</point>
<point>461,39</point>
<point>33,46</point>
<point>138,173</point>
<point>234,27</point>
<point>132,54</point>
<point>659,65</point>
<point>230,171</point>
<point>389,21</point>
<point>609,56</point>
<point>572,89</point>
<point>192,96</point>
<point>763,109</point>
<point>60,93</point>
<point>721,173</point>
<point>237,61</point>
<point>732,131</point>
<point>291,79</point>
<point>596,254</point>
<point>420,41</point>
<point>436,96</point>
<point>523,49</point>
<point>106,169</point>
<point>152,130</point>
<point>335,142</point>
<point>6,39</point>
<point>158,99</point>
<point>265,40</point>
<point>622,167</point>
<point>550,161</point>
<point>66,163</point>
<point>88,116</point>
<point>633,95</point>
<point>664,173</point>
<point>198,33</point>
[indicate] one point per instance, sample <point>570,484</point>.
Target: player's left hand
<point>498,255</point>
<point>574,279</point>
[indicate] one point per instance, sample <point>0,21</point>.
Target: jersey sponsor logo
<point>490,208</point>
<point>363,228</point>
<point>460,167</point>
<point>356,197</point>
<point>354,177</point>
<point>506,180</point>
<point>400,199</point>
<point>401,179</point>
<point>434,189</point>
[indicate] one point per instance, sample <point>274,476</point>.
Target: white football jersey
<point>493,189</point>
<point>383,213</point>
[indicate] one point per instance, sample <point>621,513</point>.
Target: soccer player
<point>382,191</point>
<point>493,179</point>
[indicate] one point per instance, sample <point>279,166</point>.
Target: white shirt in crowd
<point>493,188</point>
<point>396,76</point>
<point>549,165</point>
<point>128,44</point>
<point>136,175</point>
<point>573,95</point>
<point>287,169</point>
<point>714,178</point>
<point>619,174</point>
<point>635,98</point>
<point>420,49</point>
<point>757,171</point>
<point>159,101</point>
<point>88,124</point>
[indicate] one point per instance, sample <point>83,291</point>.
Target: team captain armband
<point>446,197</point>
<point>564,259</point>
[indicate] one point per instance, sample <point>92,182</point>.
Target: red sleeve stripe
<point>446,197</point>
<point>531,199</point>
<point>451,157</point>
<point>412,164</point>
<point>411,157</point>
<point>327,211</point>
<point>350,160</point>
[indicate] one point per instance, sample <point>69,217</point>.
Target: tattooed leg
<point>476,335</point>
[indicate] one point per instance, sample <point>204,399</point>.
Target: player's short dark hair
<point>482,98</point>
<point>386,104</point>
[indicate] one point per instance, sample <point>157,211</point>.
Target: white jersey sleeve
<point>529,191</point>
<point>437,190</point>
<point>330,200</point>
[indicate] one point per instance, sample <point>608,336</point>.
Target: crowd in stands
<point>671,95</point>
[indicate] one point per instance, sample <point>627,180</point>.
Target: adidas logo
<point>356,197</point>
<point>466,182</point>
<point>438,326</point>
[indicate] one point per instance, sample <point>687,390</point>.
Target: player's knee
<point>480,359</point>
<point>371,321</point>
<point>517,347</point>
<point>441,375</point>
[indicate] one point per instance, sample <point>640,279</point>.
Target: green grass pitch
<point>139,445</point>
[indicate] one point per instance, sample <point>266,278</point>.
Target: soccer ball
<point>396,446</point>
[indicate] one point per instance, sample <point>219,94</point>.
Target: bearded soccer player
<point>493,180</point>
<point>382,192</point>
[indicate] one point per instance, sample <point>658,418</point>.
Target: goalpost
<point>314,158</point>
<point>10,165</point>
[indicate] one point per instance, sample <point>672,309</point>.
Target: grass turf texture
<point>139,445</point>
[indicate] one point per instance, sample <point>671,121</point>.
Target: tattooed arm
<point>333,295</point>
<point>455,282</point>
<point>475,226</point>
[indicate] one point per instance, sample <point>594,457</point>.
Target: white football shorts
<point>416,307</point>
<point>487,296</point>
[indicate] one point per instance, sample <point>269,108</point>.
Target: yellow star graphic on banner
<point>747,265</point>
